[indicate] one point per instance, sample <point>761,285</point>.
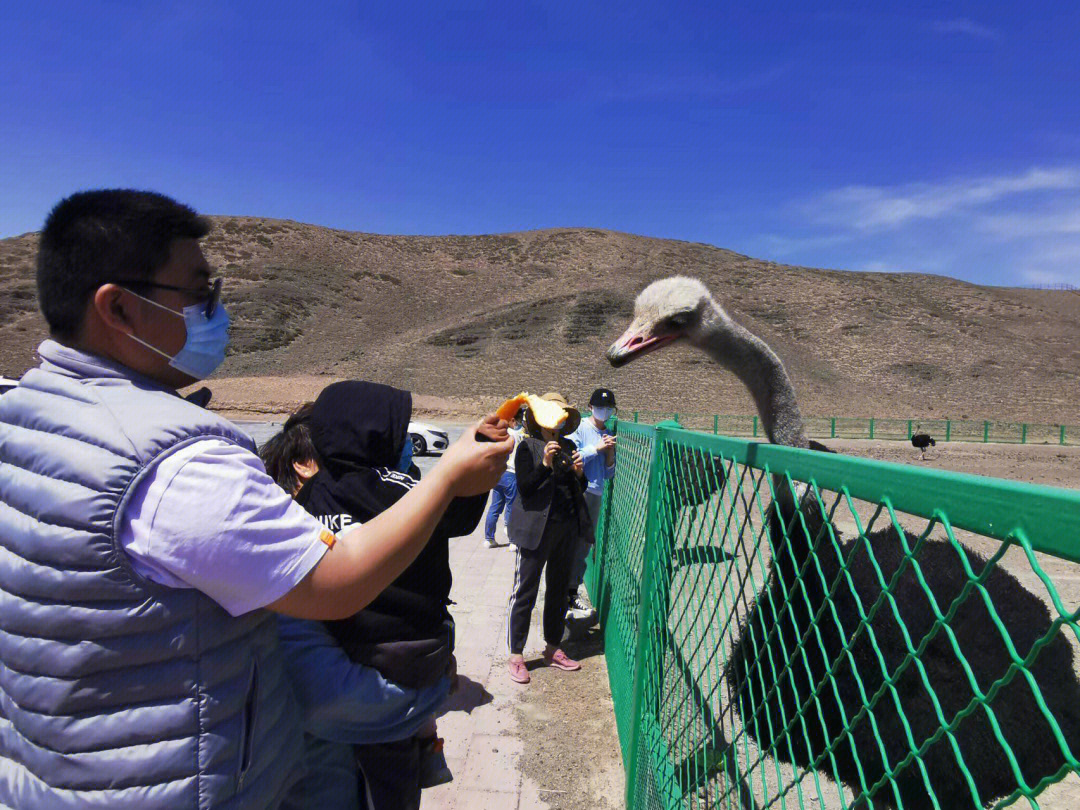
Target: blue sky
<point>938,137</point>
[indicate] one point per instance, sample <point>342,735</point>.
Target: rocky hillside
<point>474,318</point>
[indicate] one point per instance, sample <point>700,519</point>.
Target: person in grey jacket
<point>545,523</point>
<point>143,547</point>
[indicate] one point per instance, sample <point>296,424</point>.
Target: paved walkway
<point>483,745</point>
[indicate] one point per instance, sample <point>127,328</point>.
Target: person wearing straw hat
<point>546,521</point>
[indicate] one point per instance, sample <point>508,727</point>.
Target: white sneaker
<point>490,541</point>
<point>579,610</point>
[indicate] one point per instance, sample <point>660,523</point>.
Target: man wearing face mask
<point>596,443</point>
<point>145,548</point>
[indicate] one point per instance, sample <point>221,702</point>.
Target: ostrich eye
<point>679,320</point>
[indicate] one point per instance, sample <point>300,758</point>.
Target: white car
<point>6,384</point>
<point>427,438</point>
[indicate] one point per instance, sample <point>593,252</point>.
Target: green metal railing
<point>737,686</point>
<point>859,427</point>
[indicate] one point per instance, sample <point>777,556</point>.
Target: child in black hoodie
<point>362,466</point>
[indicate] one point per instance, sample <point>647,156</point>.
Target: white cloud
<point>883,207</point>
<point>1056,262</point>
<point>1050,278</point>
<point>966,27</point>
<point>1019,225</point>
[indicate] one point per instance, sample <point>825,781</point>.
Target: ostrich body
<point>921,441</point>
<point>772,681</point>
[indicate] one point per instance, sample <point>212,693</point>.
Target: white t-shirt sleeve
<point>209,517</point>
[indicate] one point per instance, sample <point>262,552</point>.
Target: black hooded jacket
<point>359,430</point>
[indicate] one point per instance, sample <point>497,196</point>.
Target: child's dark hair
<point>291,444</point>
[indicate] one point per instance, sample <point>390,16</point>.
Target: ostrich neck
<point>752,361</point>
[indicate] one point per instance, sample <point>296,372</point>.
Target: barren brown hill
<point>471,319</point>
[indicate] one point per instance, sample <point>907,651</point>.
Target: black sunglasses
<point>211,302</point>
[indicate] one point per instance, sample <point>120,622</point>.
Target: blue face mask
<point>405,462</point>
<point>204,348</point>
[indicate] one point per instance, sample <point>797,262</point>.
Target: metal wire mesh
<point>790,628</point>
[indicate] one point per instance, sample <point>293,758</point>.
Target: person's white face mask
<point>602,414</point>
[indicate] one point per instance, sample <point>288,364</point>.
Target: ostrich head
<point>665,311</point>
<point>680,307</point>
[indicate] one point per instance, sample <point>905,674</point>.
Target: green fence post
<point>832,428</point>
<point>647,639</point>
<point>676,418</point>
<point>1023,433</point>
<point>948,429</point>
<point>715,423</point>
<point>909,429</point>
<point>871,427</point>
<point>755,427</point>
<point>635,415</point>
<point>1063,434</point>
<point>986,432</point>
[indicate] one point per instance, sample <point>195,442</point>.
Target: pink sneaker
<point>561,660</point>
<point>519,673</point>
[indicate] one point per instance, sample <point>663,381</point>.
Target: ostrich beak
<point>633,345</point>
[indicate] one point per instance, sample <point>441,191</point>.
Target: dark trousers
<point>556,550</point>
<point>389,775</point>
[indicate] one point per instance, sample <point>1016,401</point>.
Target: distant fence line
<point>1059,285</point>
<point>857,427</point>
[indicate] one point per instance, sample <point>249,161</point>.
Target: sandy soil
<point>1050,465</point>
<point>568,724</point>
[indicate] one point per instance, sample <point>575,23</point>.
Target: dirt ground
<point>1049,465</point>
<point>571,745</point>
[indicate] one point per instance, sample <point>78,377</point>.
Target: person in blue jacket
<point>596,443</point>
<point>505,492</point>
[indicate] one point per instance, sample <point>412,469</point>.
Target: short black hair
<point>94,237</point>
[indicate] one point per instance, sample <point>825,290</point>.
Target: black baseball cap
<point>602,398</point>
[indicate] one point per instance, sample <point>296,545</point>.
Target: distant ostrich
<point>921,441</point>
<point>769,693</point>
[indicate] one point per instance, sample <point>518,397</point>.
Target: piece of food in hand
<point>546,414</point>
<point>510,408</point>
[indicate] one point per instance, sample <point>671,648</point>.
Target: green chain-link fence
<point>816,655</point>
<point>861,427</point>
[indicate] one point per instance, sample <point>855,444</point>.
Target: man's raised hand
<point>475,465</point>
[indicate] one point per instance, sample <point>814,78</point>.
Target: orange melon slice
<point>547,414</point>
